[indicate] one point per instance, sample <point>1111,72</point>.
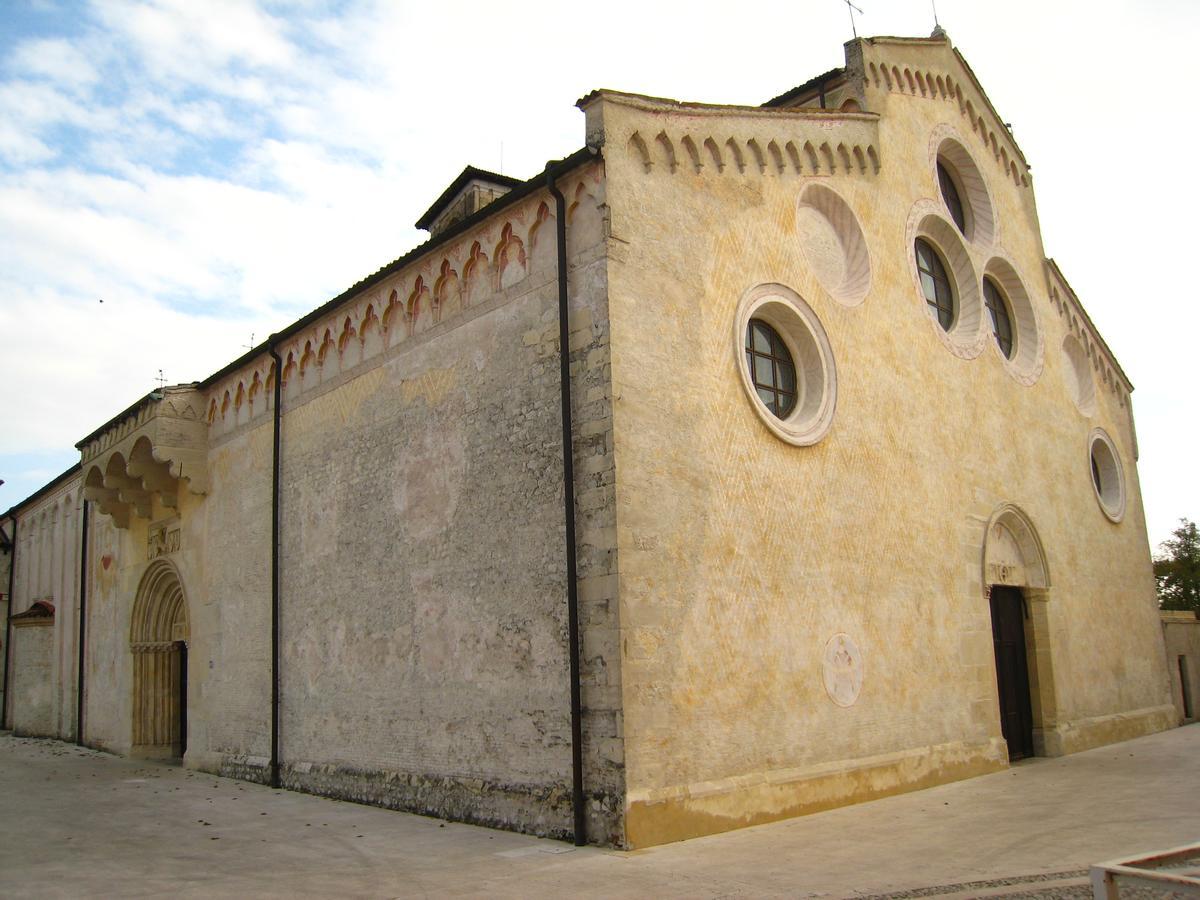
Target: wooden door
<point>1012,672</point>
<point>182,699</point>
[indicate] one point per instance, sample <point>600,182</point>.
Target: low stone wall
<point>1181,634</point>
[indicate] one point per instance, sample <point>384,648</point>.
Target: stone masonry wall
<point>423,625</point>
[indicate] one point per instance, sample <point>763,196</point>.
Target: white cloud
<point>187,41</point>
<point>61,61</point>
<point>212,169</point>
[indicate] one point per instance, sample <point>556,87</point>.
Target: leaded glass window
<point>772,371</point>
<point>950,195</point>
<point>997,305</point>
<point>935,284</point>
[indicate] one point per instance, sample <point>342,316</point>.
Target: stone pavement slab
<point>76,822</point>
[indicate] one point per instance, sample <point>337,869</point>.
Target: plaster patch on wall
<point>843,669</point>
<point>427,479</point>
<point>430,386</point>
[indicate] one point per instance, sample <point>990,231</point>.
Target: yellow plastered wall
<point>742,556</point>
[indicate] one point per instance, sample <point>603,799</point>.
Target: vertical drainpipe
<point>275,565</point>
<point>12,574</point>
<point>564,363</point>
<point>82,633</point>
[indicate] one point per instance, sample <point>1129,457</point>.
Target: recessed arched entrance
<point>158,637</point>
<point>1016,582</point>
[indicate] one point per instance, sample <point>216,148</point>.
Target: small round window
<point>1001,315</point>
<point>936,285</point>
<point>1108,479</point>
<point>785,363</point>
<point>771,368</point>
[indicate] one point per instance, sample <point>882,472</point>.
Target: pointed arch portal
<point>158,638</point>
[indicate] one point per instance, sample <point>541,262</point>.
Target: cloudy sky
<point>176,176</point>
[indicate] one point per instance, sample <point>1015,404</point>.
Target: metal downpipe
<point>82,631</point>
<point>12,577</point>
<point>568,446</point>
<point>278,396</point>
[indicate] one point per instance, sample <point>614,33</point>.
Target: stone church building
<point>848,505</point>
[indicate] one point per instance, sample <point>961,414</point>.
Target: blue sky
<point>215,170</point>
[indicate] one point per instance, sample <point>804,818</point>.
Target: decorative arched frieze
<point>145,455</point>
<point>1083,348</point>
<point>510,258</point>
<point>542,244</point>
<point>941,86</point>
<point>428,291</point>
<point>475,274</point>
<point>447,293</point>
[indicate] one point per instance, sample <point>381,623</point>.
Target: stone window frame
<point>1028,355</point>
<point>931,265</point>
<point>1000,310</point>
<point>948,150</point>
<point>801,330</point>
<point>782,368</point>
<point>967,336</point>
<point>1106,472</point>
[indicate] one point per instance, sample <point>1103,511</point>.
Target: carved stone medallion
<point>843,669</point>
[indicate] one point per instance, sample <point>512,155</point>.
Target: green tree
<point>1177,569</point>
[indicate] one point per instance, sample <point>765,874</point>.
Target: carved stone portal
<point>157,638</point>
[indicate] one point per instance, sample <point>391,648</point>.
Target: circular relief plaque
<point>843,669</point>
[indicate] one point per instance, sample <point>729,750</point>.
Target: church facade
<point>747,462</point>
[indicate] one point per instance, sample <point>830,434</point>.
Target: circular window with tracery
<point>785,363</point>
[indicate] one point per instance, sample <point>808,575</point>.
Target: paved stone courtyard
<point>75,822</point>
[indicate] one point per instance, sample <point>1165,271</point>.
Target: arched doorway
<point>1016,582</point>
<point>158,637</point>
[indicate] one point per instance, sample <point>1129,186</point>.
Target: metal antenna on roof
<point>502,157</point>
<point>936,23</point>
<point>852,9</point>
<point>160,380</point>
<point>250,346</point>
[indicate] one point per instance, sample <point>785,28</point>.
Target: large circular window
<point>785,363</point>
<point>963,189</point>
<point>1001,316</point>
<point>1013,320</point>
<point>936,285</point>
<point>771,368</point>
<point>951,195</point>
<point>1108,479</point>
<point>945,280</point>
